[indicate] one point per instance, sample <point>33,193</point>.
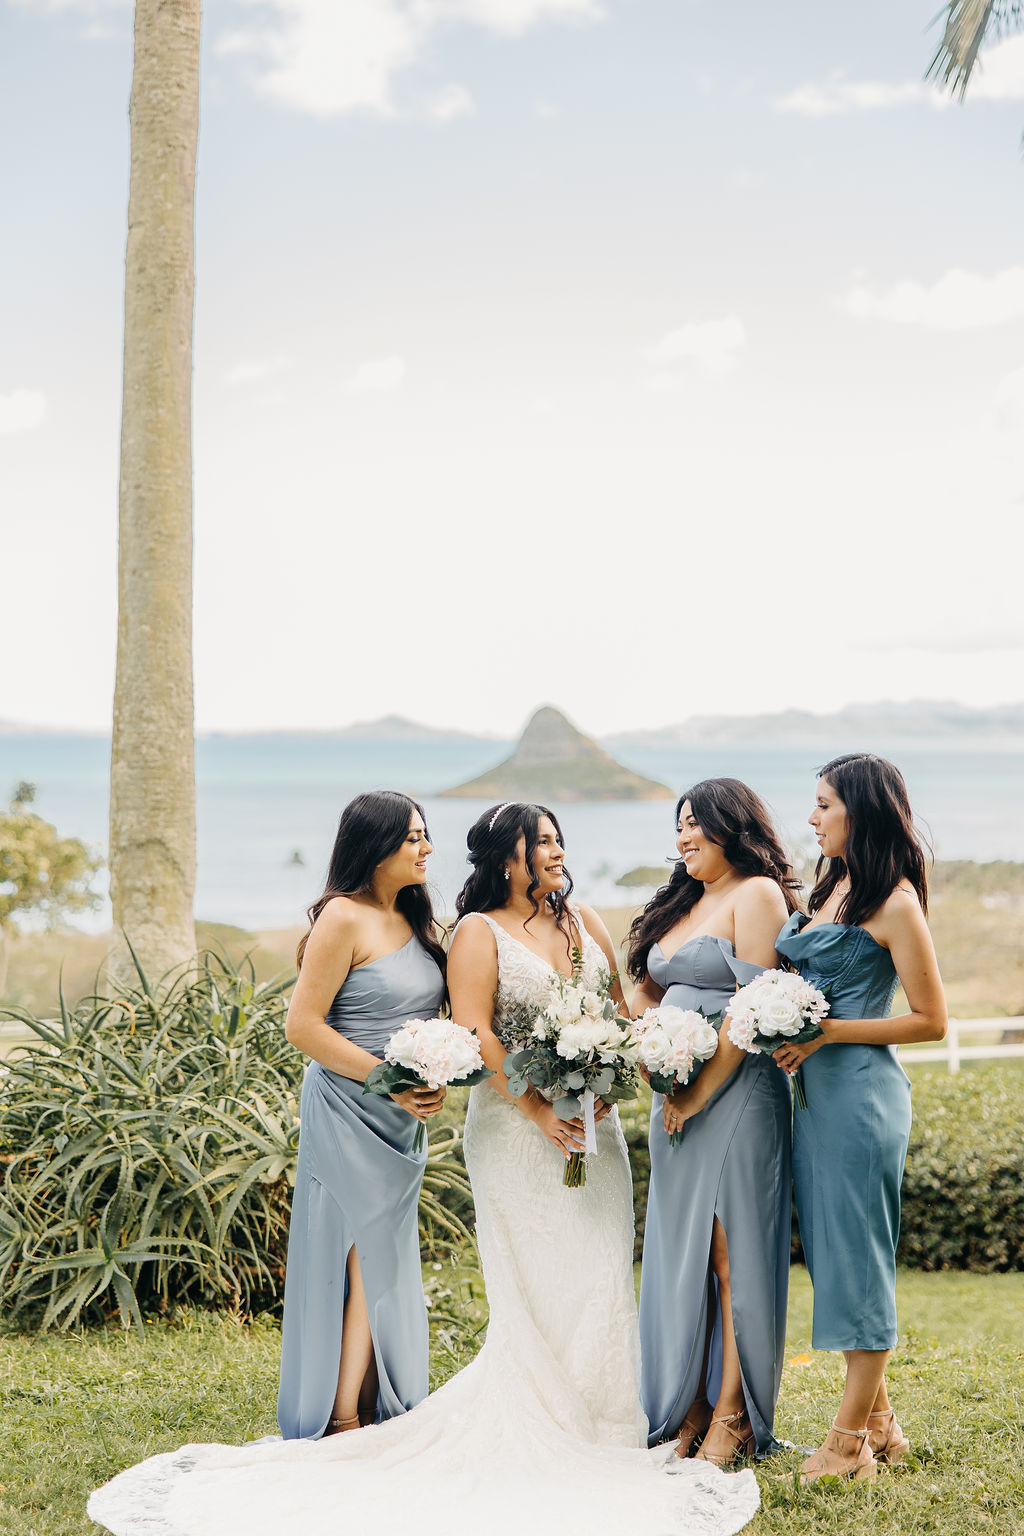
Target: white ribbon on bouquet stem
<point>589,1124</point>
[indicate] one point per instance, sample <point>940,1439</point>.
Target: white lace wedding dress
<point>541,1435</point>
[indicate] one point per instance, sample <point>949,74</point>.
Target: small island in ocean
<point>553,761</point>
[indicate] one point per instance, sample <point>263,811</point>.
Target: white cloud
<point>1008,405</point>
<point>838,95</point>
<point>957,301</point>
<point>998,76</point>
<point>22,410</point>
<point>325,58</point>
<point>378,376</point>
<point>512,18</point>
<point>88,7</point>
<point>454,101</point>
<point>256,370</point>
<point>329,57</point>
<point>711,343</point>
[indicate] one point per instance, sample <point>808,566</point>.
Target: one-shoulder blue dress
<point>733,1163</point>
<point>850,1143</point>
<point>357,1183</point>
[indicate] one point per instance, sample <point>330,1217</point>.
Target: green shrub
<point>963,1191</point>
<point>150,1144</point>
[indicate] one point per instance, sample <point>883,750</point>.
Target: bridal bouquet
<point>428,1053</point>
<point>776,1006</point>
<point>674,1044</point>
<point>577,1049</point>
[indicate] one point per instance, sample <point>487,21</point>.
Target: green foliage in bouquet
<point>534,1067</point>
<point>147,1154</point>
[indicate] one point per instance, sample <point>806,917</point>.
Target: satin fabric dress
<point>733,1163</point>
<point>357,1184</point>
<point>850,1143</point>
<point>540,1435</point>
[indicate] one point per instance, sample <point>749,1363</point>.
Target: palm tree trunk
<point>152,774</point>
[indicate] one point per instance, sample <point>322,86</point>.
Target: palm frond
<point>970,24</point>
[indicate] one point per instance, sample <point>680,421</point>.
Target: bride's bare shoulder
<point>473,939</point>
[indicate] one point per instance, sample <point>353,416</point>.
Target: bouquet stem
<point>417,1141</point>
<point>798,1090</point>
<point>575,1175</point>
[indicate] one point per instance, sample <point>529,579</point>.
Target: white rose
<point>780,1016</point>
<point>654,1045</point>
<point>703,1042</point>
<point>401,1048</point>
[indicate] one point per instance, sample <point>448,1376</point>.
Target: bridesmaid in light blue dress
<point>715,1274</point>
<point>354,1336</point>
<point>866,933</point>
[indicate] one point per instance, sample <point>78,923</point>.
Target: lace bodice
<point>553,1392</point>
<point>525,978</point>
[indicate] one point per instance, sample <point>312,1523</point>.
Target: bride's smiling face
<point>548,861</point>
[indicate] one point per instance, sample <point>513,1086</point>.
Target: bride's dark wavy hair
<point>883,846</point>
<point>491,841</point>
<point>373,827</point>
<point>731,815</point>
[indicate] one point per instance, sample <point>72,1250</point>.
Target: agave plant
<point>150,1143</point>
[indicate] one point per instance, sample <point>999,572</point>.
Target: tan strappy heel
<point>745,1442</point>
<point>888,1442</point>
<point>690,1434</point>
<point>336,1426</point>
<point>833,1459</point>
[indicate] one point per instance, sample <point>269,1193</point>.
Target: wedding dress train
<point>542,1434</point>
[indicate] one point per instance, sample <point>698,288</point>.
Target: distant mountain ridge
<point>918,720</point>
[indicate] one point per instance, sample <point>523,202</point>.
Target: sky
<point>645,357</point>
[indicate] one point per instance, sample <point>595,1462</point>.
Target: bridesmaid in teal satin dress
<point>354,1337</point>
<point>866,933</point>
<point>715,1273</point>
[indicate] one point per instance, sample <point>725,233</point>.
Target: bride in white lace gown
<point>543,1433</point>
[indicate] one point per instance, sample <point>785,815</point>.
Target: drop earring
<point>506,874</point>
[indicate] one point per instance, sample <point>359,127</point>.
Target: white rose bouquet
<point>777,1006</point>
<point>428,1053</point>
<point>579,1049</point>
<point>674,1044</point>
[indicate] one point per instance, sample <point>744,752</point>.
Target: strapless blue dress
<point>733,1163</point>
<point>357,1183</point>
<point>850,1143</point>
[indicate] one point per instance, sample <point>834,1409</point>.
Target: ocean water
<point>262,800</point>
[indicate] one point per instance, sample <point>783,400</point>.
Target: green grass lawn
<point>77,1409</point>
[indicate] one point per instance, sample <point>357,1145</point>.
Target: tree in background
<point>40,872</point>
<point>969,25</point>
<point>152,773</point>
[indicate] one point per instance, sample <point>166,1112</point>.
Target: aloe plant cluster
<point>148,1146</point>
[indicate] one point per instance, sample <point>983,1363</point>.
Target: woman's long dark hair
<point>373,827</point>
<point>731,815</point>
<point>491,841</point>
<point>883,846</point>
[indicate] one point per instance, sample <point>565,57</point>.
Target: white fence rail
<point>952,1052</point>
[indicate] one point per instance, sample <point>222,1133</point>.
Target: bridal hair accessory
<point>490,824</point>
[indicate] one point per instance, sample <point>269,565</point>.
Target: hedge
<point>963,1190</point>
